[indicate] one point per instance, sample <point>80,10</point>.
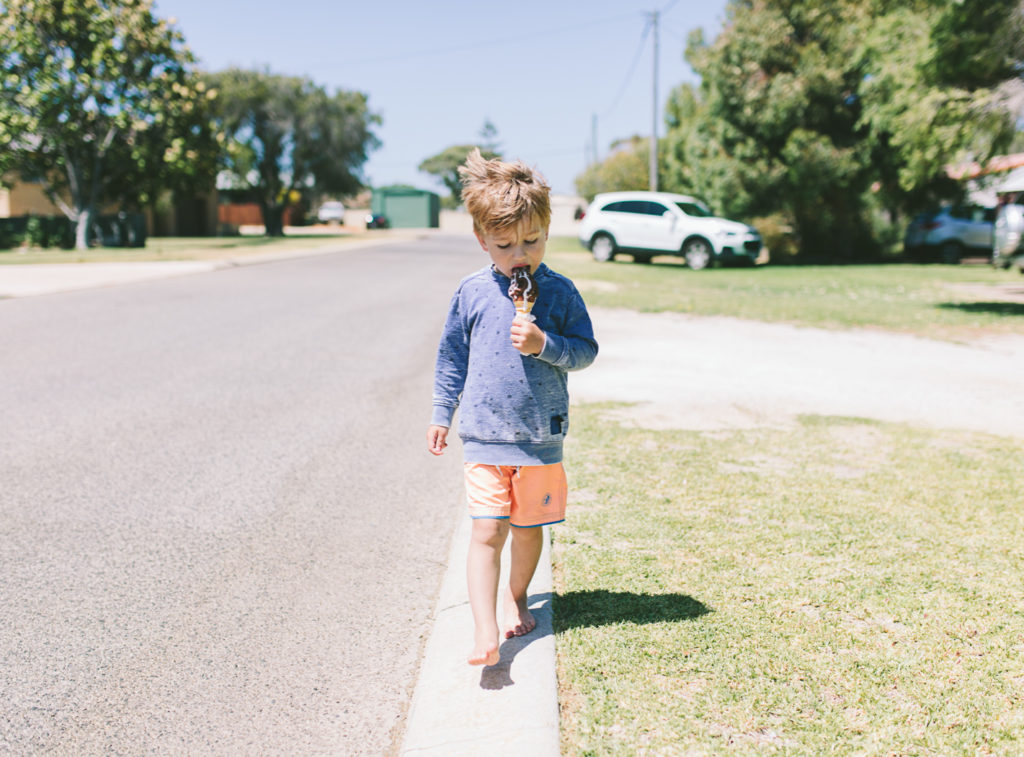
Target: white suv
<point>644,224</point>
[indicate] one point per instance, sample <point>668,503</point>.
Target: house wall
<point>26,198</point>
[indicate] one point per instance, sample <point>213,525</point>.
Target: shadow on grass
<point>555,613</point>
<point>598,607</point>
<point>990,308</point>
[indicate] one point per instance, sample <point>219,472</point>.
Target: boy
<point>507,373</point>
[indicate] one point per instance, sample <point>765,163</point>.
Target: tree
<point>286,136</point>
<point>626,168</point>
<point>445,164</point>
<point>930,93</point>
<point>99,102</point>
<point>822,110</point>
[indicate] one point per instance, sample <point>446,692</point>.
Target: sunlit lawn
<point>943,301</point>
<point>839,587</point>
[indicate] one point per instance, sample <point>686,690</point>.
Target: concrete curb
<point>507,709</point>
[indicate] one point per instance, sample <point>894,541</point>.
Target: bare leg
<point>482,571</point>
<point>527,544</point>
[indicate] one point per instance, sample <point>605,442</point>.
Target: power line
<point>632,69</point>
<point>490,44</point>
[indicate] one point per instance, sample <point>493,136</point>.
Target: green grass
<point>182,248</point>
<point>841,586</point>
<point>941,301</point>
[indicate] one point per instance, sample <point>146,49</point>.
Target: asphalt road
<point>220,530</point>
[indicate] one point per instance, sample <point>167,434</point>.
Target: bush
<point>12,231</point>
<point>121,230</point>
<point>778,236</point>
<point>36,231</point>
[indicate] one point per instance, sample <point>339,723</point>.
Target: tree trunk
<point>273,220</point>
<point>83,224</point>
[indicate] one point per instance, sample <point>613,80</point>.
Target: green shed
<point>407,208</point>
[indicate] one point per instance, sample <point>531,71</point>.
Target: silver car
<point>950,233</point>
<point>1008,237</point>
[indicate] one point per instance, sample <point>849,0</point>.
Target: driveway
<point>712,373</point>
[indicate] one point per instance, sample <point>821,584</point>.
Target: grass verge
<point>841,586</point>
<point>183,248</point>
<point>938,301</point>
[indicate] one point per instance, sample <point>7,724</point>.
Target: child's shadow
<point>581,609</point>
<point>599,607</point>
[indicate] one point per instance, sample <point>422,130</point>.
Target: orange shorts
<point>528,495</point>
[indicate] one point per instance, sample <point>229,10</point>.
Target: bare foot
<point>519,621</point>
<point>485,651</point>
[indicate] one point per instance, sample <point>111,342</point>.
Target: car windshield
<point>694,209</point>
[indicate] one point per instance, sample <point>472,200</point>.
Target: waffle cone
<point>524,306</point>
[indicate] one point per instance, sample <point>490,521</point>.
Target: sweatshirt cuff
<point>552,348</point>
<point>442,416</point>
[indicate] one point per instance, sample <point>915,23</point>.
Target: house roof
<point>998,164</point>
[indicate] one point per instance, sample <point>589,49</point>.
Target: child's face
<point>517,246</point>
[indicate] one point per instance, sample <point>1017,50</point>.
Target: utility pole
<point>593,137</point>
<point>654,110</point>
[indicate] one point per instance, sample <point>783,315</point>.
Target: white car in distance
<point>645,224</point>
<point>331,212</point>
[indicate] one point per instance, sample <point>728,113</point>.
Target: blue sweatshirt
<point>514,407</point>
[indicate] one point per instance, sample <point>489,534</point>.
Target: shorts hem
<point>489,517</point>
<point>538,525</point>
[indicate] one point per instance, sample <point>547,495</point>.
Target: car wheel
<point>602,247</point>
<point>641,258</point>
<point>950,252</point>
<point>697,254</point>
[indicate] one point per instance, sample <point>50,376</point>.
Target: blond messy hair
<point>500,195</point>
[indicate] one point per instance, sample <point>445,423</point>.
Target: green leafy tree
<point>825,110</point>
<point>444,166</point>
<point>929,93</point>
<point>98,101</point>
<point>626,168</point>
<point>286,136</point>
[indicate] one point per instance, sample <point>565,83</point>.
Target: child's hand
<point>437,439</point>
<point>527,337</point>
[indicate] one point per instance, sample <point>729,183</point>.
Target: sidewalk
<point>507,709</point>
<point>50,278</point>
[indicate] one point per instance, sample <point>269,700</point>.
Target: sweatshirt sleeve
<point>575,348</point>
<point>452,364</point>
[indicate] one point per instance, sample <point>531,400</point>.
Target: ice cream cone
<point>523,291</point>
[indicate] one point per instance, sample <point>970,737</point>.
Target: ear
<point>480,239</point>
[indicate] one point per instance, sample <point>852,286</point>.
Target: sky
<point>542,71</point>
